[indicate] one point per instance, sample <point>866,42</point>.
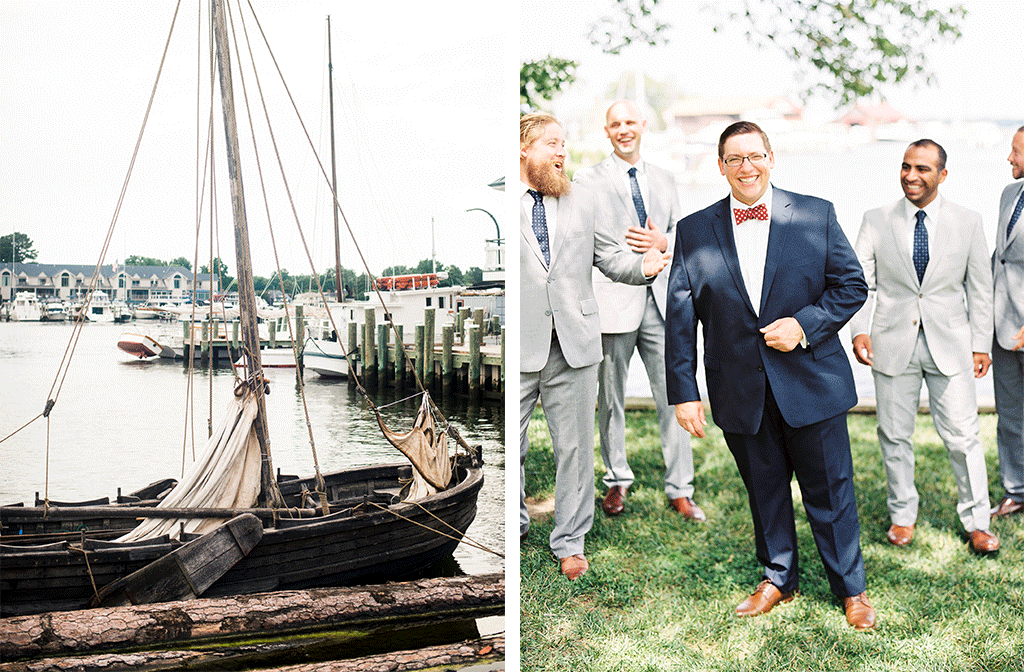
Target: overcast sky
<point>976,77</point>
<point>417,126</point>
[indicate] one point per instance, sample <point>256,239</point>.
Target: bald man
<point>645,205</point>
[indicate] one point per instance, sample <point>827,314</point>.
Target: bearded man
<point>564,231</point>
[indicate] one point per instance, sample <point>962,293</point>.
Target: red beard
<point>547,179</point>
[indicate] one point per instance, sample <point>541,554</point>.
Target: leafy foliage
<point>17,247</point>
<point>541,80</point>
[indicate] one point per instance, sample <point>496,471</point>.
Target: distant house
<point>872,114</point>
<point>692,114</point>
<point>134,284</point>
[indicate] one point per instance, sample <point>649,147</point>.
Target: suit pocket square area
<point>588,306</point>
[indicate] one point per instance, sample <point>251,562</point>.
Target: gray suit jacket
<point>621,306</point>
<point>953,301</point>
<point>561,298</point>
<point>1008,270</point>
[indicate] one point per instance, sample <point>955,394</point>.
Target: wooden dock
<point>468,360</point>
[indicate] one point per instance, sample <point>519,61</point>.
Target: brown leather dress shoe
<point>983,541</point>
<point>574,566</point>
<point>764,598</point>
<point>1007,507</point>
<point>859,612</point>
<point>614,501</point>
<point>688,509</point>
<point>900,535</point>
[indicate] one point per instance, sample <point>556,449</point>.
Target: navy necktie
<point>1015,216</point>
<point>920,246</point>
<point>540,225</point>
<point>638,201</point>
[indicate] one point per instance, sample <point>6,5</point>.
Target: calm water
<point>120,422</point>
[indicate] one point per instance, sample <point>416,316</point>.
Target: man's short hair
<point>741,128</point>
<point>926,142</point>
<point>531,126</point>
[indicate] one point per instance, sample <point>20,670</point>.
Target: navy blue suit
<point>782,413</point>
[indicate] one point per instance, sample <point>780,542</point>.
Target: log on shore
<point>107,629</point>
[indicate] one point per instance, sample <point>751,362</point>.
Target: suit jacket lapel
<point>722,226</point>
<point>611,173</point>
<point>782,214</point>
<point>1001,235</point>
<point>944,233</point>
<point>565,223</point>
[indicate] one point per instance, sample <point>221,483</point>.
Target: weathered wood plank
<point>187,572</point>
<point>106,629</point>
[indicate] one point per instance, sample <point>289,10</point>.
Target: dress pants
<point>1008,374</point>
<point>954,410</point>
<point>567,396</point>
<point>649,340</point>
<point>819,456</point>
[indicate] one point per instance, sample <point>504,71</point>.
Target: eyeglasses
<point>737,161</point>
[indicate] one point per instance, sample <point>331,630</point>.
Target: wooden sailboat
<point>352,526</point>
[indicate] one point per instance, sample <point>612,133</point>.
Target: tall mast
<point>334,175</point>
<point>246,292</point>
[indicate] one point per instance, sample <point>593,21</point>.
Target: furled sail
<point>427,449</point>
<point>226,475</point>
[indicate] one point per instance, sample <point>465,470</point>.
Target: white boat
<point>325,358</point>
<point>53,311</point>
<point>25,308</point>
<point>156,309</point>
<point>143,346</point>
<point>99,309</point>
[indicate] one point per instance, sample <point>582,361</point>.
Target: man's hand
<point>654,261</point>
<point>690,416</point>
<point>981,363</point>
<point>1019,337</point>
<point>862,349</point>
<point>643,239</point>
<point>783,334</point>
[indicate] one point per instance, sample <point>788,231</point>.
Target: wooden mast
<point>339,290</point>
<point>269,496</point>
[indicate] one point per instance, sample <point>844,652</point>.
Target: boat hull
<point>365,539</point>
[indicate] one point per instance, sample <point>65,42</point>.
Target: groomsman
<point>928,318</point>
<point>1008,344</point>
<point>645,205</point>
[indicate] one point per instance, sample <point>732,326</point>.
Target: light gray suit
<point>927,330</point>
<point>1008,366</point>
<point>560,348</point>
<point>633,317</point>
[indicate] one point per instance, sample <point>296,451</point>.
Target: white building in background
<point>134,284</point>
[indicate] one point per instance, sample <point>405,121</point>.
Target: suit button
<point>915,323</point>
<point>547,313</point>
<point>920,296</point>
<point>760,368</point>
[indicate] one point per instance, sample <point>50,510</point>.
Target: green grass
<point>660,591</point>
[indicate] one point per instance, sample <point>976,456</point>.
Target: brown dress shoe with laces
<point>688,509</point>
<point>574,566</point>
<point>859,612</point>
<point>614,501</point>
<point>983,541</point>
<point>764,598</point>
<point>1006,507</point>
<point>900,535</point>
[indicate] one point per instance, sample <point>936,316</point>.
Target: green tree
<point>541,80</point>
<point>846,48</point>
<point>474,276</point>
<point>17,247</point>
<point>220,269</point>
<point>138,260</point>
<point>181,261</point>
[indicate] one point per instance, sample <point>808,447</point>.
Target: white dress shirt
<point>752,246</point>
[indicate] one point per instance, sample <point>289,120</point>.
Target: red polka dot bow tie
<point>743,214</point>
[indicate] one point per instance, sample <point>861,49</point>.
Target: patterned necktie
<point>540,225</point>
<point>743,214</point>
<point>638,201</point>
<point>1015,216</point>
<point>920,246</point>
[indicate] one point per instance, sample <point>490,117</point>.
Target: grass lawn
<point>660,591</point>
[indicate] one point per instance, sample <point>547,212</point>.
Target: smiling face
<point>749,180</point>
<point>920,175</point>
<point>542,162</point>
<point>624,126</point>
<point>1016,157</point>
